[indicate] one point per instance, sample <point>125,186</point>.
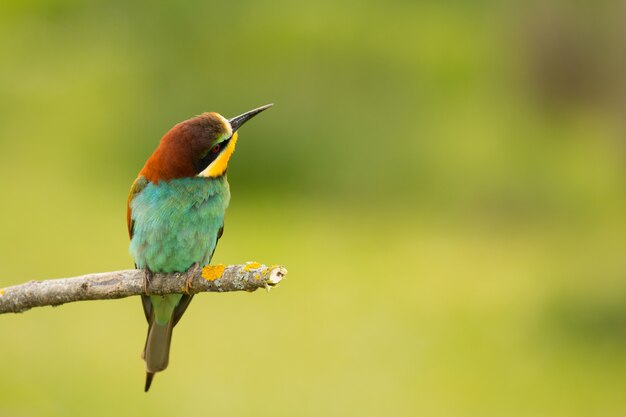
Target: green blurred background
<point>445,181</point>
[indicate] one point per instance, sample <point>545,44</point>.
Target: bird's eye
<point>216,148</point>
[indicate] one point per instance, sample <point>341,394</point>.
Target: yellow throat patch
<point>218,167</point>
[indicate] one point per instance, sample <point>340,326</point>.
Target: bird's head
<point>200,146</point>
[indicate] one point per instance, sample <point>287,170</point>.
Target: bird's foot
<point>191,273</point>
<point>146,279</point>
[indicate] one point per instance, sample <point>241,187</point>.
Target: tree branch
<point>119,284</point>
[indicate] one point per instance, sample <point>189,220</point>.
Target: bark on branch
<point>119,284</point>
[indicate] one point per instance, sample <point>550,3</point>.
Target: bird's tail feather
<point>157,350</point>
<point>149,376</point>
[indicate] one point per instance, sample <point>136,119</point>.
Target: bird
<point>175,216</point>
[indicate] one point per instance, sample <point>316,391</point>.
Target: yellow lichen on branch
<point>251,265</point>
<point>212,272</point>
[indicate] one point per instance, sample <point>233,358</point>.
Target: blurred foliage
<point>445,181</point>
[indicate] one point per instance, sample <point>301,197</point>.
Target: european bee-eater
<point>175,216</point>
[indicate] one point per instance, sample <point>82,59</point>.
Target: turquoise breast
<point>176,222</point>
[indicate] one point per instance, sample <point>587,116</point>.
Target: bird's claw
<point>146,279</point>
<point>191,273</point>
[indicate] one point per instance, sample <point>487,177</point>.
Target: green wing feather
<point>138,185</point>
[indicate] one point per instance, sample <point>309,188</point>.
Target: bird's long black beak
<point>238,121</point>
